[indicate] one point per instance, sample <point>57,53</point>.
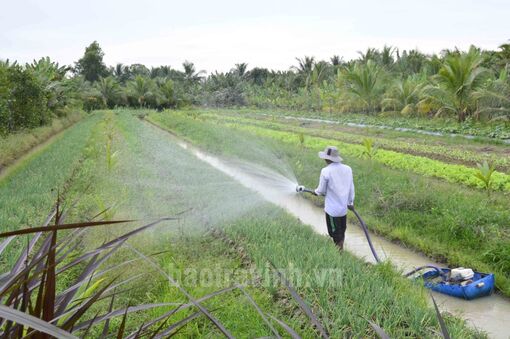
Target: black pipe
<point>364,227</point>
<point>367,235</point>
<point>441,273</point>
<point>302,189</point>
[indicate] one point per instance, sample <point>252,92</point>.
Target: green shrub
<point>26,103</point>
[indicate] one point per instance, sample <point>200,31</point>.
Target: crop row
<point>417,164</point>
<point>497,131</point>
<point>29,191</point>
<point>13,145</point>
<point>448,153</point>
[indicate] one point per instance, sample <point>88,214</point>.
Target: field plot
<point>29,191</point>
<point>136,170</point>
<point>444,220</point>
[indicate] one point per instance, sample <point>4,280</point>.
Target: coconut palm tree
<point>386,56</point>
<point>404,95</point>
<point>167,92</point>
<point>504,55</point>
<point>370,54</point>
<point>494,99</point>
<point>240,69</point>
<point>410,62</point>
<point>305,68</point>
<point>456,82</point>
<point>363,85</point>
<point>141,89</point>
<point>305,65</point>
<point>319,73</point>
<point>109,91</point>
<point>191,75</point>
<point>160,72</point>
<point>121,72</point>
<point>336,60</point>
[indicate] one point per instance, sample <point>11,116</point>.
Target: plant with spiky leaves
<point>459,78</point>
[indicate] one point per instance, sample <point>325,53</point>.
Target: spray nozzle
<point>300,188</point>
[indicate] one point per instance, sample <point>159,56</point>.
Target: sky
<point>215,35</point>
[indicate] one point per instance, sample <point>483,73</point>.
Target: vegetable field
<point>216,258</point>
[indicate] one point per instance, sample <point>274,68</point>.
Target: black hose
<point>367,235</point>
<point>441,273</point>
<point>363,226</point>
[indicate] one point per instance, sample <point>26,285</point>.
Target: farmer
<point>337,185</point>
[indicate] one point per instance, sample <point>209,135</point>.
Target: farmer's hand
<point>351,207</point>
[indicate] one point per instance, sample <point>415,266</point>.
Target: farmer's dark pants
<point>336,227</point>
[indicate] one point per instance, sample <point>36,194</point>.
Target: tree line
<point>471,84</point>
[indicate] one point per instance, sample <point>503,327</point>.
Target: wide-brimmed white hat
<point>330,153</point>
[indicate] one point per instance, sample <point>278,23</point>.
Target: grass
<point>28,191</point>
<point>144,188</point>
<point>454,224</point>
<point>234,308</point>
<point>202,265</point>
<point>13,146</point>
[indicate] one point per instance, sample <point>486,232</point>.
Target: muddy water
<point>491,314</point>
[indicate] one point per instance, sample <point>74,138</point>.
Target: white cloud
<point>267,33</point>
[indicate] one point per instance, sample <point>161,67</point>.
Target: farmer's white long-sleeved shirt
<point>336,183</point>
